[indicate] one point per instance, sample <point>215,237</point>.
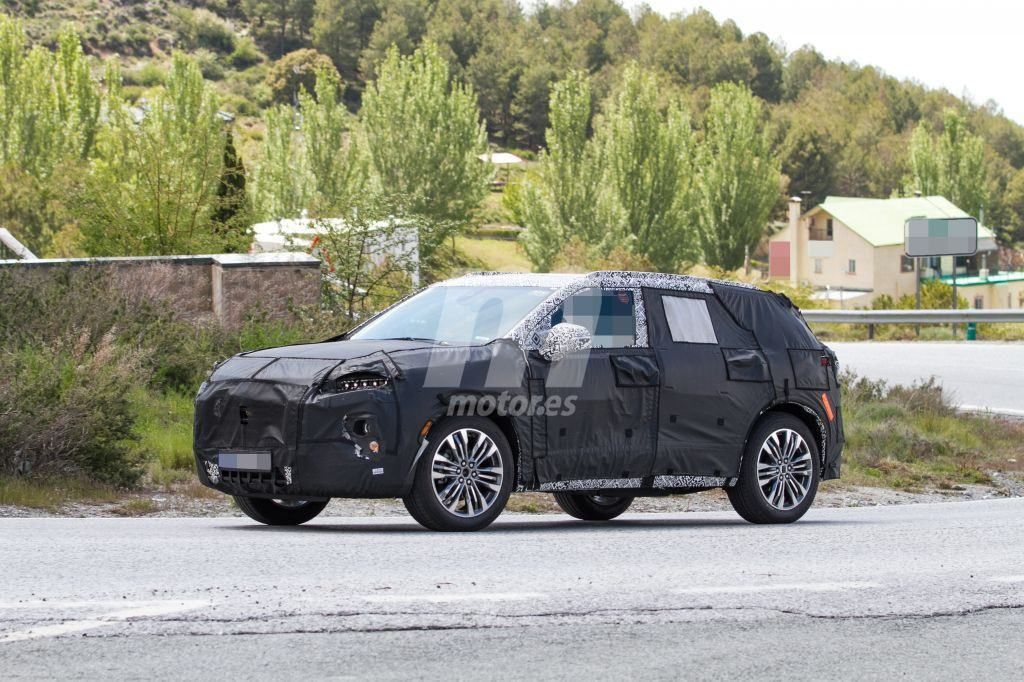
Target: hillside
<point>838,128</point>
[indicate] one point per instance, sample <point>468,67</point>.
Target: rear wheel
<point>280,512</point>
<point>592,507</point>
<point>464,478</point>
<point>779,476</point>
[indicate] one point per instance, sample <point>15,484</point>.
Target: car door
<point>715,382</point>
<point>599,406</point>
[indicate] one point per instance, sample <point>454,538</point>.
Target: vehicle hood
<point>336,350</point>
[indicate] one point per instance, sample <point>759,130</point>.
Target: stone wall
<point>224,288</point>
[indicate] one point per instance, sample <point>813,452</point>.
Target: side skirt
<point>656,483</point>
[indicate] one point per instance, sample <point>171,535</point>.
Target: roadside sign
<point>924,237</point>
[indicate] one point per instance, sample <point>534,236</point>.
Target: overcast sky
<point>972,48</point>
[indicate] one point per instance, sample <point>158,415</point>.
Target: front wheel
<point>779,475</point>
<point>464,478</point>
<point>592,507</point>
<point>280,512</point>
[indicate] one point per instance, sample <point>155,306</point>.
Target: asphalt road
<point>931,591</point>
<point>979,375</point>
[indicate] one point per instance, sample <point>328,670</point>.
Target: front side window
<point>688,320</point>
<point>608,314</point>
<point>455,315</point>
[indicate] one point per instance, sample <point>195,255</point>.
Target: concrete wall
<point>215,288</point>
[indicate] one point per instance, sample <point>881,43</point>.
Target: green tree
<point>310,160</point>
<point>808,160</point>
<point>370,253</point>
<point>1014,204</point>
<point>283,182</point>
<point>280,25</point>
<point>564,198</point>
<point>339,171</point>
<point>649,158</point>
<point>153,187</point>
<point>342,30</point>
<point>230,212</point>
<point>295,72</point>
<point>423,134</point>
<point>402,26</point>
<point>49,117</point>
<point>49,102</point>
<point>951,165</point>
<point>739,177</point>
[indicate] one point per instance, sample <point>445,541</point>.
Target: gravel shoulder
<point>194,501</point>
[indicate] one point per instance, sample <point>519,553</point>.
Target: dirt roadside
<point>199,502</point>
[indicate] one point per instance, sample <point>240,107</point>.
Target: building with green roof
<point>851,250</point>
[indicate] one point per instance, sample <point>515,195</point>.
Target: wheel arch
<point>505,424</point>
<point>807,415</point>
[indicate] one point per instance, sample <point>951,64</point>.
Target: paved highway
<point>931,591</point>
<point>979,374</point>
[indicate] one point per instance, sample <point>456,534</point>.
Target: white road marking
<point>1007,411</point>
<point>777,587</point>
<point>129,611</point>
<point>444,598</point>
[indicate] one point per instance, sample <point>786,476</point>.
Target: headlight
<point>355,382</point>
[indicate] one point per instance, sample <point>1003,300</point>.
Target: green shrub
<point>911,436</point>
<point>245,54</point>
<point>66,411</point>
<point>201,28</point>
<point>164,427</point>
<point>147,74</point>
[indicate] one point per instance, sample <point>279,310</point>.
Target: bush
<point>245,54</point>
<point>296,71</point>
<point>201,28</point>
<point>65,411</point>
<point>912,436</point>
<point>148,75</point>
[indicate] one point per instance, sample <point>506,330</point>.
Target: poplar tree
<point>951,164</point>
<point>648,151</point>
<point>738,184</point>
<point>423,134</point>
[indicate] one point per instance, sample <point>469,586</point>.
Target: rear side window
<point>688,320</point>
<point>609,315</point>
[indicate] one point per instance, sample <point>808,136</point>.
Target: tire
<point>475,484</point>
<point>280,512</point>
<point>592,507</point>
<point>778,438</point>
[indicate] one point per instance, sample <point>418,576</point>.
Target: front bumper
<point>310,471</point>
<point>320,444</point>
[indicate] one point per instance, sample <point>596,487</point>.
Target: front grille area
<point>253,479</point>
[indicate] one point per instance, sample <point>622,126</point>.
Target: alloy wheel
<point>467,472</point>
<point>784,469</point>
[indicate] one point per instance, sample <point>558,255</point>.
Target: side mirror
<point>564,339</point>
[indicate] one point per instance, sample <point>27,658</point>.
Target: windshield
<point>456,315</point>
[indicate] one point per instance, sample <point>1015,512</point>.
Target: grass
<point>906,332</point>
<point>164,427</point>
<point>503,255</point>
<point>50,493</point>
<point>912,438</point>
<point>137,506</point>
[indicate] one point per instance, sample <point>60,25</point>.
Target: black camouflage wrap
<point>343,418</point>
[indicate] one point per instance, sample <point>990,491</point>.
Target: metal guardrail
<point>965,316</point>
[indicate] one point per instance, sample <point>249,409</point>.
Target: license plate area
<point>244,461</point>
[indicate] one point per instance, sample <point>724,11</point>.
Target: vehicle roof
<point>608,278</point>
